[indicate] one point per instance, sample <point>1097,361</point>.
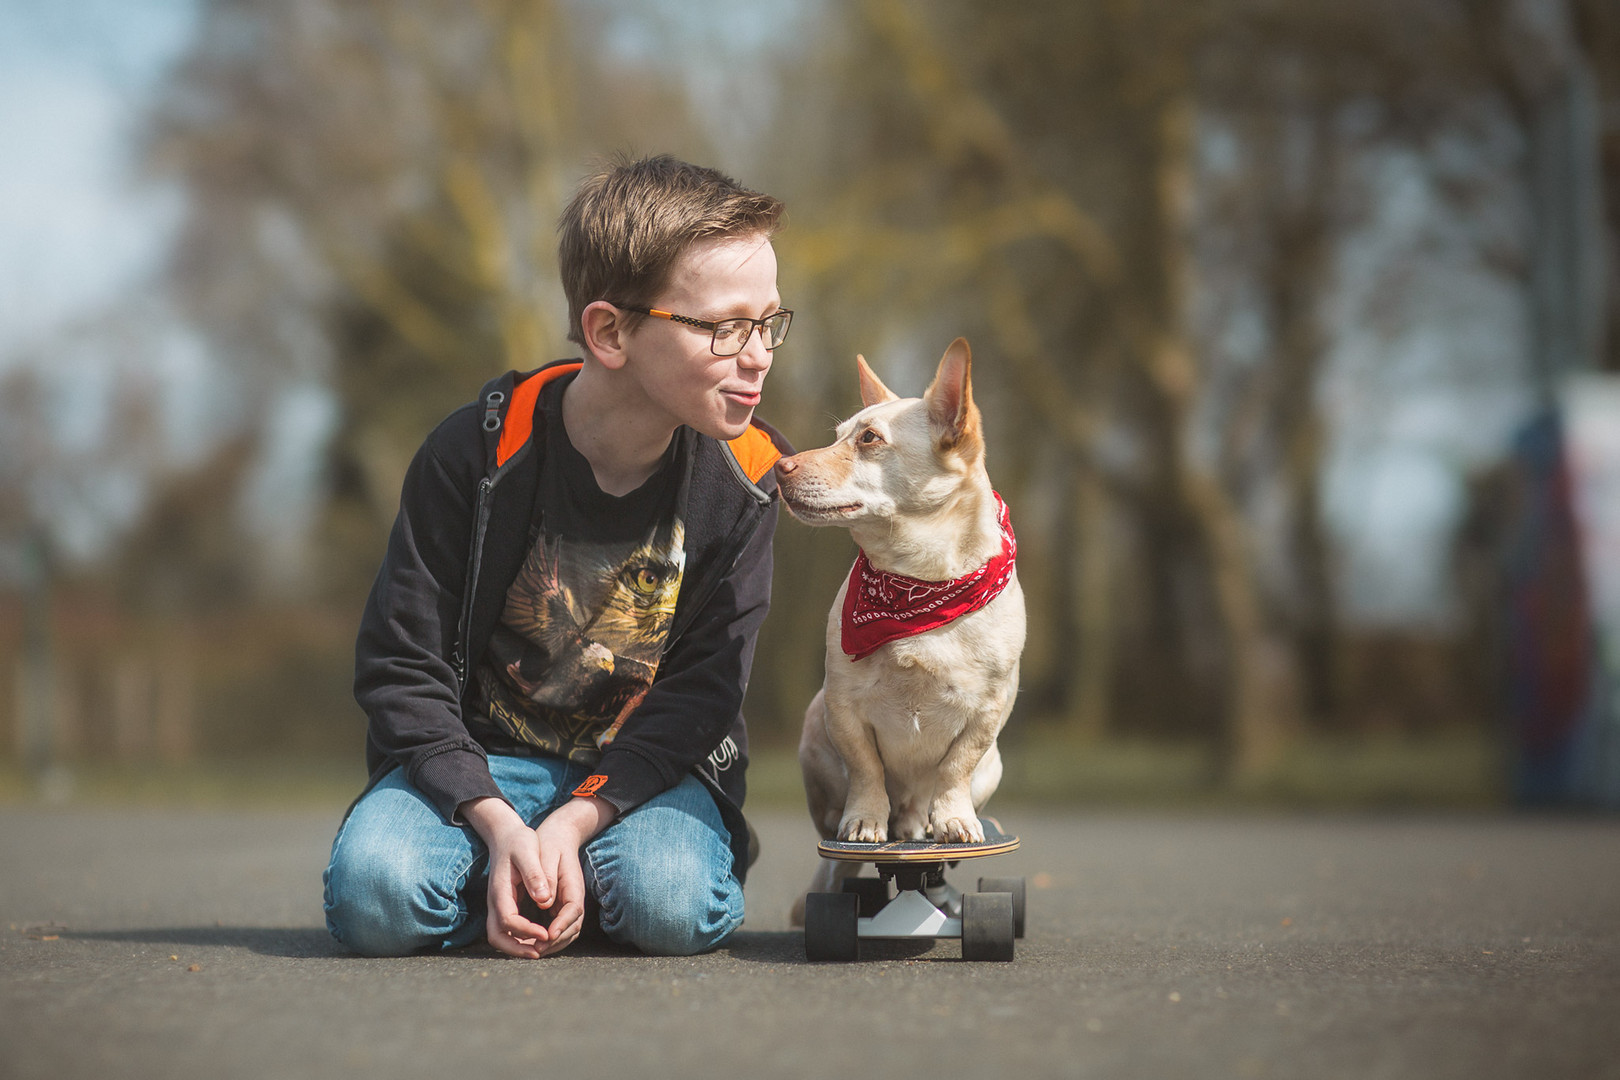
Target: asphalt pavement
<point>189,943</point>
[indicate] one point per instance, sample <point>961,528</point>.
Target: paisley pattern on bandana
<point>880,607</point>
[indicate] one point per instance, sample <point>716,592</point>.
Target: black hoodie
<point>459,540</point>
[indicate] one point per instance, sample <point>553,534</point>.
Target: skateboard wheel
<point>873,893</point>
<point>1014,885</point>
<point>832,926</point>
<point>987,926</point>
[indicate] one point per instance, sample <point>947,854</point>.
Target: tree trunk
<point>1259,668</point>
<point>1092,683</point>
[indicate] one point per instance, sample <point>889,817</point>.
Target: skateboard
<point>924,905</point>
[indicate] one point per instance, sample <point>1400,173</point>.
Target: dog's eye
<point>870,437</point>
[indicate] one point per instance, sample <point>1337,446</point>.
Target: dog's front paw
<point>952,826</point>
<point>863,829</point>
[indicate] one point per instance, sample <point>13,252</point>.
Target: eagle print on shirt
<point>579,639</point>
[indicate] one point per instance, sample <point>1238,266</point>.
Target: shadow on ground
<point>291,942</point>
<point>787,947</point>
<point>299,943</point>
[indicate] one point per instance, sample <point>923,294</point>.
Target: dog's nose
<point>786,465</point>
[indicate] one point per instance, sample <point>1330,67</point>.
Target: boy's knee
<point>674,907</point>
<point>382,901</point>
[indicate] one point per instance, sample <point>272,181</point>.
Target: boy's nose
<point>754,353</point>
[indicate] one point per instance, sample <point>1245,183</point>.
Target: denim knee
<point>673,903</point>
<point>382,899</point>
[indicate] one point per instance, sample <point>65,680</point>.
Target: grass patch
<point>1458,770</point>
<point>247,783</point>
<point>1453,770</point>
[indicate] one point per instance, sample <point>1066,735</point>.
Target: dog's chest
<point>951,673</point>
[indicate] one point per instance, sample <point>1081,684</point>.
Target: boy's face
<point>718,279</point>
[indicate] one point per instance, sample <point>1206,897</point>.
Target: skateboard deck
<point>995,842</point>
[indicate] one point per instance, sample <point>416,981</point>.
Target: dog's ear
<point>873,392</point>
<point>951,412</point>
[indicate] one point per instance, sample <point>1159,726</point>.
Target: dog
<point>924,638</point>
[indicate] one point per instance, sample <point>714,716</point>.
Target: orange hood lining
<point>755,452</point>
<point>519,423</point>
<point>753,449</point>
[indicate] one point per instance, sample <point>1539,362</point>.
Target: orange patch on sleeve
<point>591,786</point>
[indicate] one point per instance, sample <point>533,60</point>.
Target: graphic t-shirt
<point>587,617</point>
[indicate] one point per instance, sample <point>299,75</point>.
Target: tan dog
<point>901,744</point>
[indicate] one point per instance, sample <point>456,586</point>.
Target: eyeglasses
<point>729,336</point>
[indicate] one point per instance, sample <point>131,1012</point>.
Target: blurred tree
<point>1038,185</point>
<point>1597,25</point>
<point>81,435</point>
<point>1104,197</point>
<point>373,187</point>
<point>81,447</point>
<point>1049,178</point>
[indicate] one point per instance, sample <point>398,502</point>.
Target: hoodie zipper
<point>717,573</point>
<point>495,404</point>
<point>481,510</point>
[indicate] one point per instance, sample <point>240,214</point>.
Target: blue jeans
<point>403,879</point>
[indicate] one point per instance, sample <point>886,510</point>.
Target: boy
<point>553,657</point>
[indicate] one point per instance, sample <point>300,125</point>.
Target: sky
<point>83,238</point>
<point>77,228</point>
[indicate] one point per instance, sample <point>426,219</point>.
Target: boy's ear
<point>873,392</point>
<point>603,327</point>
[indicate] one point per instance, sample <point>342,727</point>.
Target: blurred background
<point>1296,327</point>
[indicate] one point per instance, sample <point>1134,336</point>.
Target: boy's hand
<point>542,863</point>
<point>514,864</point>
<point>563,832</point>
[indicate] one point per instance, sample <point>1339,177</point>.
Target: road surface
<point>189,943</point>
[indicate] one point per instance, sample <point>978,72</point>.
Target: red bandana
<point>880,607</point>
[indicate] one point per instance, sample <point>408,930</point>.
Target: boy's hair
<point>625,228</point>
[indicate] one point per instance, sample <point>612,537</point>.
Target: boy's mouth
<point>743,397</point>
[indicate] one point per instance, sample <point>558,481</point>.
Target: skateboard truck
<point>924,905</point>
